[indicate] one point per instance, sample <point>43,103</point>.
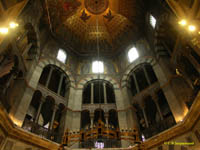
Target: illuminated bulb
<point>3,30</point>
<point>182,22</point>
<point>13,25</point>
<point>192,28</point>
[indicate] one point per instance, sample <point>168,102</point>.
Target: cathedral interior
<point>99,74</point>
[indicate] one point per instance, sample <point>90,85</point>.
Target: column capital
<point>142,104</point>
<point>55,107</point>
<point>42,99</point>
<point>134,109</point>
<point>155,97</point>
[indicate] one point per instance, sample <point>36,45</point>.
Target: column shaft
<point>91,120</point>
<point>49,77</point>
<point>146,75</point>
<point>53,117</point>
<point>136,83</point>
<point>145,117</point>
<point>92,93</point>
<point>159,111</point>
<point>60,83</point>
<point>105,93</point>
<point>38,111</point>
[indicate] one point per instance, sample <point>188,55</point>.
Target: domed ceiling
<point>81,24</point>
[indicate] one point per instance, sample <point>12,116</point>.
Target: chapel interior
<point>99,74</point>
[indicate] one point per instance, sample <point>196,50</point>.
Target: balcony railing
<point>41,131</point>
<point>159,127</point>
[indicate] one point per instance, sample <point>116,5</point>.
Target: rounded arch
<point>85,118</point>
<point>34,105</point>
<point>44,62</point>
<point>84,81</point>
<point>99,115</point>
<point>103,92</point>
<point>47,110</point>
<point>113,118</point>
<point>142,60</point>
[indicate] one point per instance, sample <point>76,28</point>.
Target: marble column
<point>135,119</point>
<point>60,83</point>
<point>49,77</point>
<point>155,99</point>
<point>91,120</point>
<point>105,93</point>
<point>42,100</point>
<point>146,75</point>
<point>106,115</point>
<point>92,93</point>
<point>136,83</point>
<point>53,116</point>
<point>142,106</point>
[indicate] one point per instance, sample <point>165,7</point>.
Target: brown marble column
<point>142,106</point>
<point>42,100</point>
<point>53,116</point>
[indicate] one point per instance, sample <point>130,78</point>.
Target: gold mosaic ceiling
<point>74,22</point>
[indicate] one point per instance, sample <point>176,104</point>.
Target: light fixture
<point>182,22</point>
<point>191,28</point>
<point>3,30</point>
<point>13,25</point>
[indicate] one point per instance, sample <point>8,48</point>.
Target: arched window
<point>62,56</point>
<point>98,91</point>
<point>132,54</point>
<point>55,79</point>
<point>97,67</point>
<point>85,119</point>
<point>153,21</point>
<point>113,118</point>
<point>141,77</point>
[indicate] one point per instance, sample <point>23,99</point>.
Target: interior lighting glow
<point>13,25</point>
<point>3,30</point>
<point>182,22</point>
<point>191,28</point>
